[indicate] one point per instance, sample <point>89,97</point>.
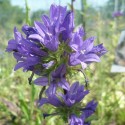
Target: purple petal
<point>43,81</point>
<point>89,58</point>
<point>18,56</point>
<point>19,65</point>
<point>28,30</point>
<point>57,13</point>
<point>81,31</point>
<point>74,87</point>
<point>51,89</point>
<point>90,108</point>
<point>60,71</point>
<point>69,102</point>
<point>53,11</point>
<point>88,44</point>
<point>40,28</point>
<point>62,13</point>
<point>52,44</point>
<point>74,120</point>
<point>37,51</point>
<point>53,100</point>
<point>81,95</point>
<point>73,59</point>
<point>76,42</point>
<point>42,101</point>
<point>46,20</point>
<point>36,37</point>
<point>68,24</point>
<point>12,45</point>
<point>99,50</point>
<point>17,35</point>
<point>29,61</point>
<point>64,84</point>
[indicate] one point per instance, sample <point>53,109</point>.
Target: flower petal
<point>36,37</point>
<point>64,84</point>
<point>88,44</point>
<point>43,81</point>
<point>89,58</point>
<point>42,101</point>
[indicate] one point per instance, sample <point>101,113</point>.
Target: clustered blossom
<point>48,50</point>
<point>68,101</point>
<point>117,14</point>
<point>57,79</point>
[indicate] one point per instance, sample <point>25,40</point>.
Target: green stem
<point>85,77</point>
<point>32,103</point>
<point>41,92</point>
<point>27,13</point>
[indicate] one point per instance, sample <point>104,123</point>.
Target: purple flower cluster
<point>57,79</point>
<point>70,102</point>
<point>117,14</point>
<point>37,50</point>
<point>50,50</point>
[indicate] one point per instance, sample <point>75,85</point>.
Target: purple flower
<point>28,54</point>
<point>86,112</point>
<point>100,50</point>
<point>59,25</point>
<point>66,104</point>
<point>89,109</point>
<point>29,30</point>
<point>57,79</point>
<point>117,14</point>
<point>74,120</point>
<point>74,95</point>
<point>68,25</point>
<point>84,51</point>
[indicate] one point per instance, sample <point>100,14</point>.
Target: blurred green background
<point>17,97</point>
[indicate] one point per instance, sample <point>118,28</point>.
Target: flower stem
<point>41,92</point>
<point>85,77</point>
<point>32,102</point>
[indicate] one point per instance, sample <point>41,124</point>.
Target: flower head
<point>74,95</point>
<point>57,79</point>
<point>66,104</point>
<point>84,51</point>
<point>53,41</point>
<point>59,25</point>
<point>86,112</point>
<point>28,54</point>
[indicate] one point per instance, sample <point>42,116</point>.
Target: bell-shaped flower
<point>68,104</point>
<point>55,29</point>
<point>57,79</point>
<point>74,95</point>
<point>84,52</point>
<point>28,54</point>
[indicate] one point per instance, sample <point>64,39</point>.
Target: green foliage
<point>108,8</point>
<point>27,13</point>
<point>10,15</point>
